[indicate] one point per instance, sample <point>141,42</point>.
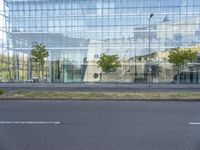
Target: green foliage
<point>108,62</point>
<point>6,66</point>
<point>39,53</point>
<point>180,57</point>
<point>2,91</point>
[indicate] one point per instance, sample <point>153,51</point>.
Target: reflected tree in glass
<point>38,55</point>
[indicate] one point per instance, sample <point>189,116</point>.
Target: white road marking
<point>29,122</point>
<point>194,123</point>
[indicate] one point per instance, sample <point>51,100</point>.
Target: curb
<point>93,100</point>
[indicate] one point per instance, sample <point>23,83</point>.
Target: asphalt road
<point>103,87</point>
<point>99,125</point>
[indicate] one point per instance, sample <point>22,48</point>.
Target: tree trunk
<point>197,78</point>
<point>107,77</point>
<point>42,71</point>
<point>178,76</point>
<point>39,71</point>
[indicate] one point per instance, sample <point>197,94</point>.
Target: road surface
<point>99,125</point>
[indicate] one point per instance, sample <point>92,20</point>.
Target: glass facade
<point>77,32</point>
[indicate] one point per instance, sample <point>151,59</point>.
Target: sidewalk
<point>99,85</point>
<point>94,91</point>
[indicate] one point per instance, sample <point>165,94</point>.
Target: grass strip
<point>103,95</point>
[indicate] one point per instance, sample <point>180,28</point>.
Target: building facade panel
<point>77,32</point>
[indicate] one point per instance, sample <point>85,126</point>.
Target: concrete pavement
<point>94,87</point>
<point>99,125</point>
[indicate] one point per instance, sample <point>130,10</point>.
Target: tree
<point>179,57</point>
<point>38,55</point>
<point>108,63</point>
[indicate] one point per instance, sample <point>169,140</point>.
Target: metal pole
<point>135,63</point>
<point>50,67</point>
<point>149,62</point>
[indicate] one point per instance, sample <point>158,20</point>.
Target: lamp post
<point>135,62</point>
<point>149,62</point>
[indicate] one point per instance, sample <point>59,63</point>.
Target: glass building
<point>77,32</point>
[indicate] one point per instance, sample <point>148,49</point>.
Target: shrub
<point>1,91</point>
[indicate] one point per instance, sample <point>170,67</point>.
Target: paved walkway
<point>97,87</point>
